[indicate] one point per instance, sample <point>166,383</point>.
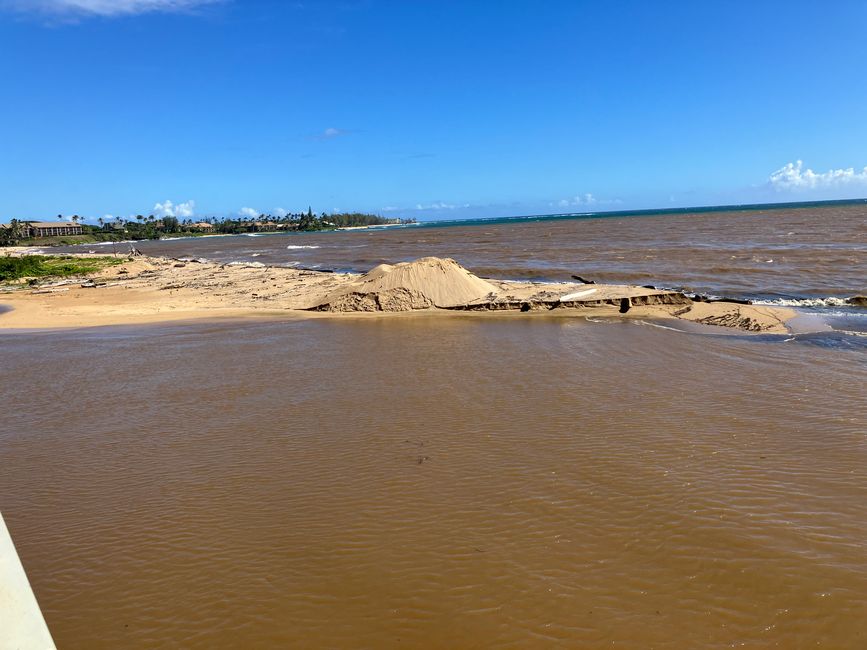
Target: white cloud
<point>330,133</point>
<point>578,199</point>
<point>280,212</point>
<point>105,7</point>
<point>584,200</point>
<point>439,205</point>
<point>248,213</point>
<point>436,205</point>
<point>793,176</point>
<point>169,209</point>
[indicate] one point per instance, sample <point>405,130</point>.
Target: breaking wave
<point>831,301</point>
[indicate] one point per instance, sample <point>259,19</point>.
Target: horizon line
<point>565,215</point>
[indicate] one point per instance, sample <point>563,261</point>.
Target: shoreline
<point>34,245</point>
<point>149,290</point>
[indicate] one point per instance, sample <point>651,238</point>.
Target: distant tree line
<point>150,227</point>
<point>153,227</point>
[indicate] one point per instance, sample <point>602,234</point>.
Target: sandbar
<point>157,289</point>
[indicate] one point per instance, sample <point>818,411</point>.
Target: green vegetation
<point>71,240</point>
<point>40,266</point>
<point>150,227</point>
<point>355,219</point>
<point>293,222</point>
<point>10,235</point>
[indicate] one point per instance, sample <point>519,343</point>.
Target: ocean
<point>810,251</point>
<point>470,481</point>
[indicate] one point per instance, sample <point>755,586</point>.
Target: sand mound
<point>426,282</point>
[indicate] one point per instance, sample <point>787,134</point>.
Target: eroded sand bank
<point>152,289</point>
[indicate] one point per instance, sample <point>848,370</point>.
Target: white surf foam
<point>109,243</point>
<point>831,301</point>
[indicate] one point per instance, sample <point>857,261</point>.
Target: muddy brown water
<point>812,252</point>
<point>500,481</point>
<point>437,483</point>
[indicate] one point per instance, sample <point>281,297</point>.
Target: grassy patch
<point>71,240</point>
<point>41,266</point>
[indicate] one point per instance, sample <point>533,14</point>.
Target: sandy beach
<point>158,289</point>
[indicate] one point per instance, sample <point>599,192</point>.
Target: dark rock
<point>582,280</point>
<point>736,301</point>
<point>312,270</point>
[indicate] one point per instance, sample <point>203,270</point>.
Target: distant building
<point>202,225</point>
<point>51,228</point>
<point>264,226</point>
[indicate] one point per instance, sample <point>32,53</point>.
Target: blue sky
<point>426,109</point>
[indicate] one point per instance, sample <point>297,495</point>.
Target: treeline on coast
<point>152,227</point>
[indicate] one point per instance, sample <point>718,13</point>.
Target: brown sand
<point>424,283</point>
<point>150,289</point>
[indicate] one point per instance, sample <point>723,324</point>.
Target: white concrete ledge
<point>22,626</point>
